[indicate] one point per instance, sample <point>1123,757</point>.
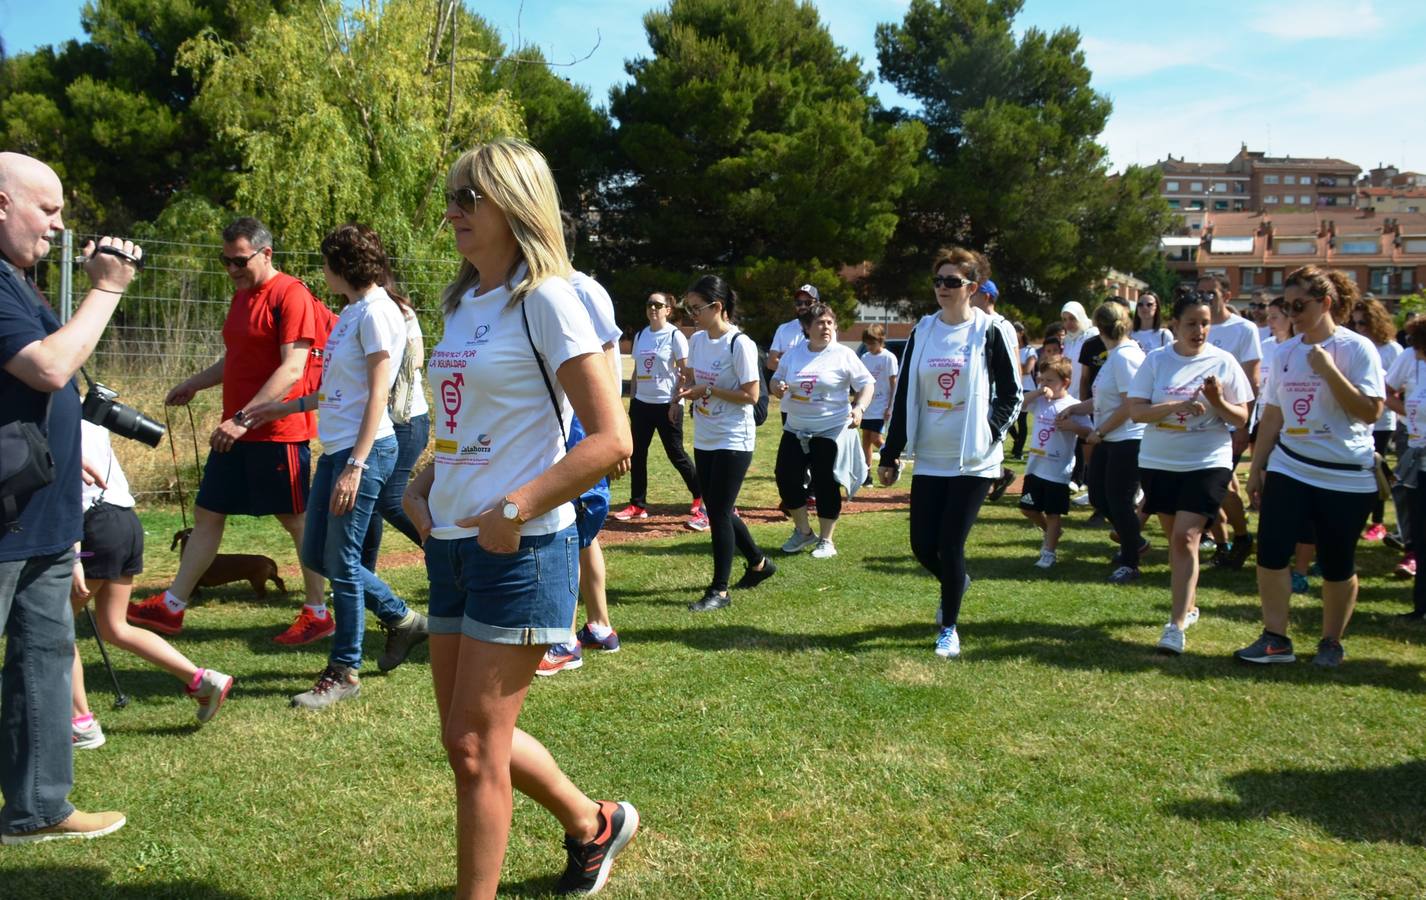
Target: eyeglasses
<point>465,198</point>
<point>658,306</point>
<point>696,310</point>
<point>237,262</point>
<point>1300,304</point>
<point>950,281</point>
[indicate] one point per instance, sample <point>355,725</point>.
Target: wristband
<point>359,463</point>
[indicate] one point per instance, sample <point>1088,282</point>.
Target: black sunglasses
<point>653,305</point>
<point>465,198</point>
<point>1300,304</point>
<point>237,261</point>
<point>950,281</point>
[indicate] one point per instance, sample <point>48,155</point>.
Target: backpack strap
<point>544,376</point>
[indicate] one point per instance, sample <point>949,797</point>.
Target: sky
<point>1337,78</point>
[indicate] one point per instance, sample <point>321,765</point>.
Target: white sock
<point>318,609</point>
<point>600,631</point>
<point>174,604</point>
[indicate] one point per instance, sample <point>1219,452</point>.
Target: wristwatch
<point>239,416</point>
<point>510,511</point>
<point>707,391</point>
<point>359,463</point>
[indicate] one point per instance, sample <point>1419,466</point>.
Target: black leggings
<point>1113,481</point>
<point>792,465</point>
<point>644,420</point>
<point>1382,439</point>
<point>720,473</point>
<point>1417,499</point>
<point>1018,433</point>
<point>942,512</point>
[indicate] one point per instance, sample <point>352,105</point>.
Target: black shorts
<point>257,478</point>
<point>113,544</point>
<point>1042,495</point>
<point>1200,491</point>
<point>1335,517</point>
<point>875,426</point>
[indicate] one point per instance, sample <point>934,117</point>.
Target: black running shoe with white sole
<point>1267,649</point>
<point>589,864</point>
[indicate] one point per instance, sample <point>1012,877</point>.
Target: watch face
<point>510,511</point>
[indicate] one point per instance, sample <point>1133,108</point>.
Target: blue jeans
<point>411,440</point>
<point>331,546</point>
<point>36,755</point>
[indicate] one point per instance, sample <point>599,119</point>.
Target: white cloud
<point>1313,19</point>
<point>1111,60</point>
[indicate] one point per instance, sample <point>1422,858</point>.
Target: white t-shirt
<point>787,336</point>
<point>1050,448</point>
<point>1388,353</point>
<point>419,405</point>
<point>1265,334</point>
<point>1073,344</point>
<point>600,307</point>
<point>366,326</point>
<point>1188,443</point>
<point>883,367</point>
<point>1237,337</point>
<point>657,356</point>
<point>727,364</point>
<point>99,453</point>
<point>1150,339</point>
<point>1265,372</point>
<point>1027,379</point>
<point>1313,422</point>
<point>819,385</point>
<point>1408,375</point>
<point>1114,379</point>
<point>495,427</point>
<point>943,387</point>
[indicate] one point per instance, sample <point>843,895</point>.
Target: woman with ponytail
<point>1315,459</point>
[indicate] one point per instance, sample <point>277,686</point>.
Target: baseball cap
<point>809,290</point>
<point>988,288</point>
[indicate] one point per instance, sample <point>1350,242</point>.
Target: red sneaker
<point>632,511</point>
<point>307,628</point>
<point>1407,567</point>
<point>1374,533</point>
<point>154,615</point>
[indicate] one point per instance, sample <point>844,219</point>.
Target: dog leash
<point>173,454</point>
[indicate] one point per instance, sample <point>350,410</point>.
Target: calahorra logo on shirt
<point>479,337</point>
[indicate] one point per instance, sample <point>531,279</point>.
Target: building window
<point>1220,186</point>
<point>1406,280</point>
<point>1270,179</point>
<point>1270,198</point>
<point>1237,206</point>
<point>1381,281</point>
<point>1245,278</point>
<point>1415,245</point>
<point>1196,187</point>
<point>1295,248</point>
<point>1277,278</point>
<point>1173,203</point>
<point>1171,185</point>
<point>1195,204</point>
<point>1220,204</point>
<point>1306,200</point>
<point>1359,246</point>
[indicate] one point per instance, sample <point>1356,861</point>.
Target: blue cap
<point>988,288</point>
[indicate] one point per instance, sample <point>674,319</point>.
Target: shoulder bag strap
<point>544,375</point>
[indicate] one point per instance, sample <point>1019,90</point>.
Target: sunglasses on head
<point>237,262</point>
<point>466,199</point>
<point>950,281</point>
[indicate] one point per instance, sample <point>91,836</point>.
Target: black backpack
<point>760,407</point>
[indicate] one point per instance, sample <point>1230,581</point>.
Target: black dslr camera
<point>101,407</point>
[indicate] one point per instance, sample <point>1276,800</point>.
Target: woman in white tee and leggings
<point>722,382</point>
<point>958,394</point>
<point>659,354</point>
<point>1315,459</point>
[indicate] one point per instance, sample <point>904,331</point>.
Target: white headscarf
<point>1075,309</point>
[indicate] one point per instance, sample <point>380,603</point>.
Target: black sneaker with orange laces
<point>589,864</point>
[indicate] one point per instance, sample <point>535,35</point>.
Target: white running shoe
<point>1080,499</point>
<point>1190,618</point>
<point>799,541</point>
<point>825,549</point>
<point>948,644</point>
<point>1172,640</point>
<point>1046,560</point>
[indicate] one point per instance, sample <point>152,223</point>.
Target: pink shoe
<point>1407,567</point>
<point>1374,533</point>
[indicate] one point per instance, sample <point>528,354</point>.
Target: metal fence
<point>169,325</point>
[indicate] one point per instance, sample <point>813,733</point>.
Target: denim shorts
<point>526,597</point>
<point>592,509</point>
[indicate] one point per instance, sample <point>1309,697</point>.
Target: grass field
<point>803,743</point>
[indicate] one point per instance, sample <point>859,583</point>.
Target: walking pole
<point>121,699</point>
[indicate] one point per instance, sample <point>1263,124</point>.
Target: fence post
<point>66,275</point>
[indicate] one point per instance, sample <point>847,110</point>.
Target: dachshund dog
<point>229,567</point>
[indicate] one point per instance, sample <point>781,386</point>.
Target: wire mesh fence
<point>169,325</point>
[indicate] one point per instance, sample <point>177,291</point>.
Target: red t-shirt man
<point>260,320</point>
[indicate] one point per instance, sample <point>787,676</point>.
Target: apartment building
<point>1252,180</point>
<point>1383,254</point>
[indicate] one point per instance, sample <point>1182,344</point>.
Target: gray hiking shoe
<point>336,683</point>
<point>401,638</point>
<point>1329,654</point>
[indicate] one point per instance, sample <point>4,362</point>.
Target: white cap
<point>809,290</point>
